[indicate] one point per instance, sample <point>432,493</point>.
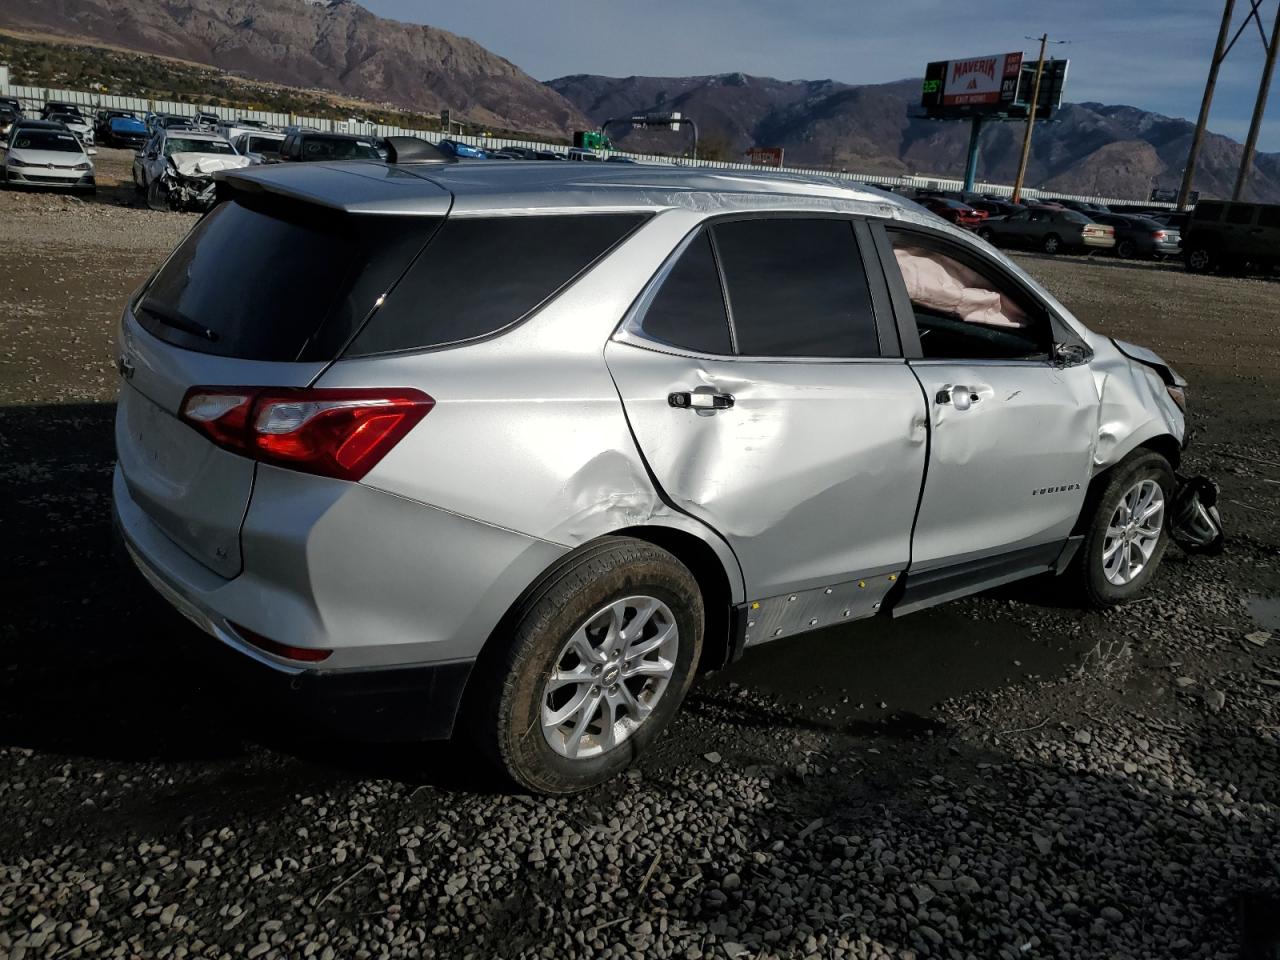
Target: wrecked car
<point>510,455</point>
<point>175,168</point>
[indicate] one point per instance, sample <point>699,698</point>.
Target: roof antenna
<point>414,150</point>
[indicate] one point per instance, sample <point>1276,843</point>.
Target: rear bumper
<point>405,596</point>
<point>1098,243</point>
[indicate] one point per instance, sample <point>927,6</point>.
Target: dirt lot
<point>1004,777</point>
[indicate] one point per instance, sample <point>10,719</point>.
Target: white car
<point>175,168</point>
<point>43,156</point>
<point>77,124</point>
<point>258,147</point>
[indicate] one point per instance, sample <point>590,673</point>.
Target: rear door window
<point>796,288</point>
<point>480,275</point>
<point>277,281</point>
<point>1240,213</point>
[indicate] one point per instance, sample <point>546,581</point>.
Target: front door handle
<point>959,396</point>
<point>700,401</point>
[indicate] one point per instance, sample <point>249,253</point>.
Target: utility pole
<point>971,160</point>
<point>1260,105</point>
<point>1031,119</point>
<point>1219,54</point>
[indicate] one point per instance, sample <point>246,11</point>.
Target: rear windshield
<point>482,275</point>
<point>264,145</point>
<point>261,280</point>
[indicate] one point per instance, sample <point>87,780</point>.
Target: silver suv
<point>517,449</point>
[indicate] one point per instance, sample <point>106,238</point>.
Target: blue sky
<point>1152,54</point>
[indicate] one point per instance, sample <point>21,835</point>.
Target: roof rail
<point>413,150</point>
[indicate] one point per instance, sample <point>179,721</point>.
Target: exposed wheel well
<point>1164,445</point>
<point>708,571</point>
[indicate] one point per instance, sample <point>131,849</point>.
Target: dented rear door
<point>809,465</point>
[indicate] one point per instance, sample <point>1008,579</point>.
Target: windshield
<point>183,145</point>
<point>65,118</point>
<point>45,140</point>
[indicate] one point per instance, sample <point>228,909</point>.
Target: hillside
<point>335,45</point>
<point>1091,148</point>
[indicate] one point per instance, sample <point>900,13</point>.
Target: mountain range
<point>337,45</point>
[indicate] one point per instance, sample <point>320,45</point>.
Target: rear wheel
<point>1051,244</point>
<point>1125,249</point>
<point>1126,537</point>
<point>1201,259</point>
<point>601,655</point>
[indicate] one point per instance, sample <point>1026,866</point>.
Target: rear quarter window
<point>1240,214</point>
<point>481,275</point>
<point>1269,217</point>
<point>1207,212</point>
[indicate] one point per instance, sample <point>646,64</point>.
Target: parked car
<point>309,146</point>
<point>41,156</point>
<point>102,122</point>
<point>7,119</point>
<point>1177,219</point>
<point>953,211</point>
<point>1087,207</point>
<point>456,148</point>
<point>76,123</point>
<point>349,524</point>
<point>514,153</point>
<point>175,168</point>
<point>126,132</point>
<point>619,158</point>
<point>1053,231</point>
<point>59,106</point>
<point>1236,238</point>
<point>167,121</point>
<point>1142,236</point>
<point>259,147</point>
<point>14,105</point>
<point>997,208</point>
<point>582,153</point>
<point>207,120</point>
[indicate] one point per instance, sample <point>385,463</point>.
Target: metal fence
<point>34,98</point>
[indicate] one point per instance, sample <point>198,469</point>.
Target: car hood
<point>60,158</point>
<point>128,126</point>
<point>204,164</point>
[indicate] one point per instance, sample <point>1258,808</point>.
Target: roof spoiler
<point>413,150</point>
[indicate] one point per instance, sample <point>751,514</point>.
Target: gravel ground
<point>1004,777</point>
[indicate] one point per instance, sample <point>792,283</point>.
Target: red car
<point>961,214</point>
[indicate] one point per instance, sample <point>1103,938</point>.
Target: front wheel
<point>1127,534</point>
<point>157,196</point>
<point>1051,244</point>
<point>600,657</point>
<point>1201,259</point>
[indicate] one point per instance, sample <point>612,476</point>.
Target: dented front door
<point>811,470</point>
<point>1010,456</point>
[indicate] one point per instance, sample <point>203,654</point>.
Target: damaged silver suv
<point>514,450</point>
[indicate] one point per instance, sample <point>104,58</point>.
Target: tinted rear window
<point>1207,211</point>
<point>481,275</point>
<point>277,282</point>
<point>796,288</point>
<point>1269,217</point>
<point>1240,213</point>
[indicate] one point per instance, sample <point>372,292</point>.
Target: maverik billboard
<point>990,82</point>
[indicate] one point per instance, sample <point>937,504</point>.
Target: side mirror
<point>1070,354</point>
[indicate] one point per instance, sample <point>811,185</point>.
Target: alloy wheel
<point>609,676</point>
<point>1133,532</point>
<point>1199,259</point>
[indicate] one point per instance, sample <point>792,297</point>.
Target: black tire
<point>157,196</point>
<point>1087,576</point>
<point>504,709</point>
<point>1201,259</point>
<point>1051,244</point>
<point>1125,249</point>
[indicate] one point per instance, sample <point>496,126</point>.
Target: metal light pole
<point>971,161</point>
<point>1219,53</point>
<point>1259,106</point>
<point>1031,120</point>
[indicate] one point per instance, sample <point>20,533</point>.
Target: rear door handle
<point>700,401</point>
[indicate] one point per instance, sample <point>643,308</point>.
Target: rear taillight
<point>333,433</point>
<point>1159,235</point>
